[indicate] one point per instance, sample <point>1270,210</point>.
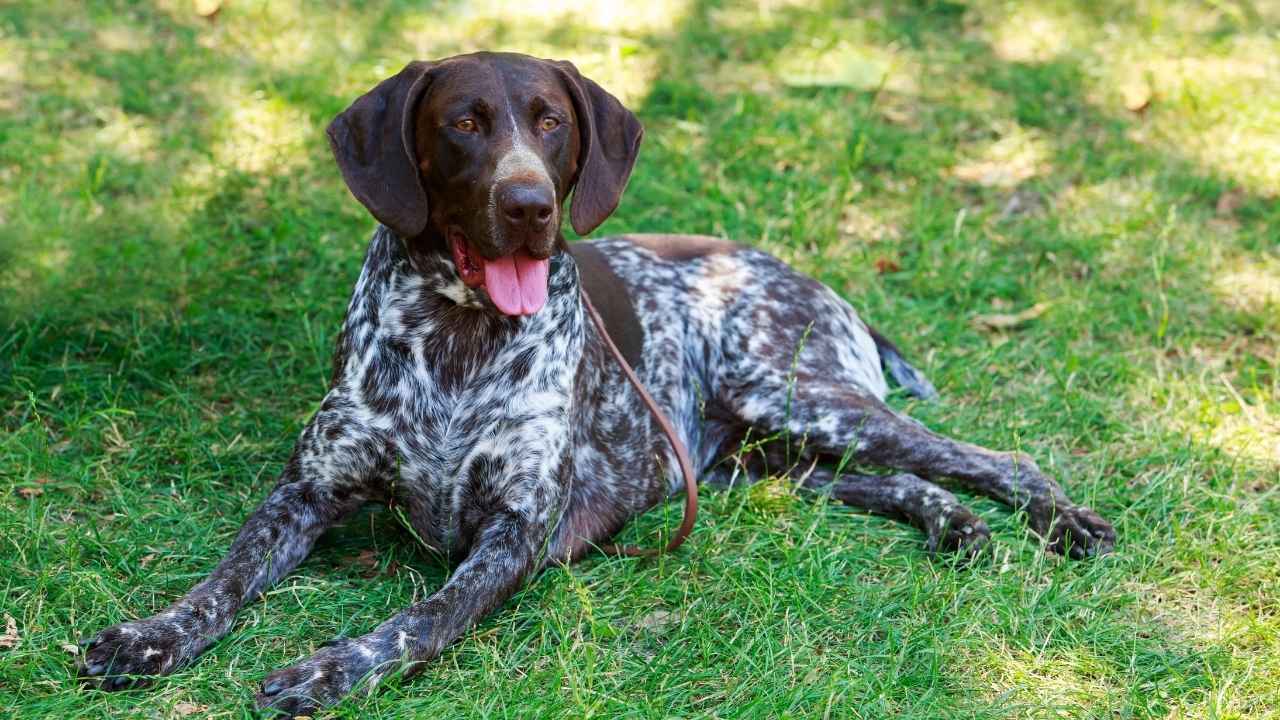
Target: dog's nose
<point>526,206</point>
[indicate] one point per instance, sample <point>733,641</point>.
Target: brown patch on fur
<point>680,248</point>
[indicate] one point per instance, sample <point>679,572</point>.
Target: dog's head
<point>482,150</point>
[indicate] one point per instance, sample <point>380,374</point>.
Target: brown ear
<point>373,143</point>
<point>610,141</point>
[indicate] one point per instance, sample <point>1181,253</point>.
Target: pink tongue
<point>517,283</point>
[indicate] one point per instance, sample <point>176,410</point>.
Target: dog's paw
<point>128,654</point>
<point>319,681</point>
<point>1079,532</point>
<point>960,534</point>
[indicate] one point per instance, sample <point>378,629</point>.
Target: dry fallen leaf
<point>208,8</point>
<point>887,265</point>
<point>10,637</point>
<point>30,492</point>
<point>367,559</point>
<point>184,709</point>
<point>1229,202</point>
<point>1137,96</point>
<point>1006,321</point>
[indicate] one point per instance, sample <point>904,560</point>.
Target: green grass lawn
<point>177,248</point>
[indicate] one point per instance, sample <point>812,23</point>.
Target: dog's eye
<point>466,125</point>
<point>549,123</point>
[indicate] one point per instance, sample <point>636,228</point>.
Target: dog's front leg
<point>325,479</point>
<point>502,556</point>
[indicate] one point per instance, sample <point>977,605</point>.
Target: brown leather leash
<point>682,455</point>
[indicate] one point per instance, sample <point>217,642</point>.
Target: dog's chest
<point>473,407</point>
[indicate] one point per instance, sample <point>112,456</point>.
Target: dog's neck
<point>429,256</point>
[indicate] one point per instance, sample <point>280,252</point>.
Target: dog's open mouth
<point>516,283</point>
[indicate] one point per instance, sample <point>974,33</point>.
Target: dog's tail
<point>907,377</point>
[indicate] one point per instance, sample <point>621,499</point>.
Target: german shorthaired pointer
<point>469,389</point>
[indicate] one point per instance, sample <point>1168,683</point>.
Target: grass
<point>176,249</point>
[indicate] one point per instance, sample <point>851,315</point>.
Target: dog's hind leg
<point>948,525</point>
<point>837,419</point>
<point>324,480</point>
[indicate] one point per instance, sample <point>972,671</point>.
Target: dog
<point>469,389</point>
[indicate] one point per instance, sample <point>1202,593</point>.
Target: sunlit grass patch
<point>807,49</point>
<point>1192,88</point>
<point>609,16</point>
<point>861,66</point>
<point>1205,397</point>
<point>1017,154</point>
<point>1033,32</point>
<point>121,37</point>
<point>1202,80</point>
<point>260,134</point>
<point>1046,683</point>
<point>1219,107</point>
<point>132,137</point>
<point>288,36</point>
<point>1238,426</point>
<point>1250,284</point>
<point>12,74</point>
<point>1110,204</point>
<point>1191,613</point>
